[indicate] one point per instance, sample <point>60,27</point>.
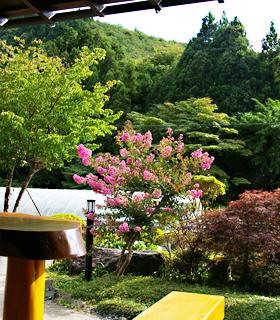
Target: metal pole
<point>89,241</point>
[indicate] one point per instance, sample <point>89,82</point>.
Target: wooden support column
<point>25,289</point>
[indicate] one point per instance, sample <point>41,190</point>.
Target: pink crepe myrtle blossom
<point>137,229</point>
<point>169,130</point>
<point>129,160</point>
<point>109,179</point>
<point>157,193</point>
<point>107,191</point>
<point>113,171</point>
<point>149,176</point>
<point>124,152</point>
<point>114,159</point>
<point>197,154</point>
<point>83,151</point>
<point>121,200</point>
<point>150,158</point>
<point>79,179</point>
<point>89,215</point>
<point>122,228</point>
<point>195,193</point>
<point>180,147</point>
<point>167,209</point>
<point>86,161</point>
<point>122,164</point>
<point>196,185</point>
<point>166,151</point>
<point>99,159</point>
<point>125,137</point>
<point>149,210</point>
<point>92,231</point>
<point>101,170</point>
<point>91,177</point>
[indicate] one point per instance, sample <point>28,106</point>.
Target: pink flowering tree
<point>142,185</point>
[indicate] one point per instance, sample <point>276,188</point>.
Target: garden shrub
<point>219,270</point>
<point>69,216</point>
<point>266,278</point>
<point>247,231</point>
<point>191,265</point>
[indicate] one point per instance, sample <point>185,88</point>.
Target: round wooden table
<point>28,241</point>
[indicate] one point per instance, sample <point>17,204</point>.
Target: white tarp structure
<point>52,201</point>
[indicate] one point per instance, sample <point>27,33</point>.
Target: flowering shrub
<point>143,184</point>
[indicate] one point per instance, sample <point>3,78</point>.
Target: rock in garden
<point>50,291</point>
<point>143,263</point>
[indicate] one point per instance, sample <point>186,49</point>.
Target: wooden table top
<point>39,238</point>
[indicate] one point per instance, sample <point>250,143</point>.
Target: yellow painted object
<point>186,306</point>
<point>25,289</point>
<point>28,241</point>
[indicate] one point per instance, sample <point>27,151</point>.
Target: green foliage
<point>120,306</point>
<point>217,64</point>
<point>60,265</point>
<point>262,136</point>
<point>198,120</point>
<point>266,278</point>
<point>237,181</point>
<point>44,110</point>
<point>190,265</point>
<point>212,188</point>
<point>113,293</point>
<point>69,216</point>
<point>57,112</point>
<point>271,41</point>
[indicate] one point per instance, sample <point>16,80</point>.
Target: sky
<point>181,23</point>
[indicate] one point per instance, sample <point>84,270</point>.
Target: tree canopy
<point>44,110</point>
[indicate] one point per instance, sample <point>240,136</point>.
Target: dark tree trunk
<point>9,180</point>
<point>23,188</point>
<point>121,267</point>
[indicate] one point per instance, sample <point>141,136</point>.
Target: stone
<point>143,262</point>
<point>66,300</point>
<point>50,291</point>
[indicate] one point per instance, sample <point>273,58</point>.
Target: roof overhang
<point>20,13</point>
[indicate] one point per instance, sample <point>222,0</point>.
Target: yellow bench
<point>186,306</point>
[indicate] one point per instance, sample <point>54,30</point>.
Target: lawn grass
<point>130,295</point>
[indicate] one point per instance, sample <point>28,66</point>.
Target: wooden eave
<point>20,13</point>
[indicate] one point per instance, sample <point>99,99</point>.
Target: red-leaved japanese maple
<point>249,229</point>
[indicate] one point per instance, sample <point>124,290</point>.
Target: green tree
<point>270,41</point>
<point>44,111</point>
<point>203,127</point>
<point>218,63</point>
<point>262,136</point>
<point>208,27</point>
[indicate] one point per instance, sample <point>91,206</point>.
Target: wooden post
<point>25,289</point>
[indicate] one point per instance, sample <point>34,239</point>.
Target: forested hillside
<point>214,89</point>
<point>220,64</point>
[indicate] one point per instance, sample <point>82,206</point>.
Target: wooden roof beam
<point>97,8</point>
<point>44,14</point>
<point>2,23</point>
<point>156,5</point>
